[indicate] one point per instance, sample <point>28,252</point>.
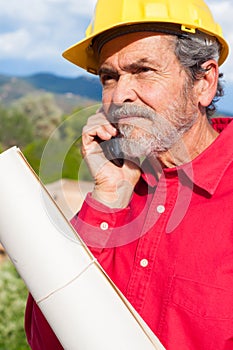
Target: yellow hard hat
<point>190,15</point>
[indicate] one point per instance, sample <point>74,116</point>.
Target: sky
<point>34,33</point>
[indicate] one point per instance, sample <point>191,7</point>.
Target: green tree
<point>15,128</point>
<point>42,111</point>
<point>73,124</point>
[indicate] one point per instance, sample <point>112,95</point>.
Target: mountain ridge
<point>88,87</point>
<point>13,87</point>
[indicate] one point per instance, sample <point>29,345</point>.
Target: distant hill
<point>80,88</point>
<point>88,87</point>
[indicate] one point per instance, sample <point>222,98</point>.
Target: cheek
<point>153,98</point>
<point>156,94</point>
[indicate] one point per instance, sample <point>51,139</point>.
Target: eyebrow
<point>128,67</point>
<point>139,63</point>
<point>107,70</point>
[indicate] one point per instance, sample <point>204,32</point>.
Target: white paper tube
<point>81,304</point>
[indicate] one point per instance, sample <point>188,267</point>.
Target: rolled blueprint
<point>84,308</point>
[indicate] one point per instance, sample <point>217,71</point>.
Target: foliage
<point>13,295</point>
<point>49,141</point>
<point>33,153</point>
<point>72,125</point>
<point>42,111</point>
<point>15,128</point>
<point>53,159</point>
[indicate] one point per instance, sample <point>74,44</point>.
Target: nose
<point>124,90</point>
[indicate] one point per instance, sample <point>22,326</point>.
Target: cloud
<point>44,10</point>
<point>39,31</point>
<point>222,12</point>
<point>9,43</point>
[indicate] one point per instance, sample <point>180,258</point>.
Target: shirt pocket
<point>203,300</point>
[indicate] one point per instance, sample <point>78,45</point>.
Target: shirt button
<point>144,262</point>
<point>104,226</point>
<point>160,209</point>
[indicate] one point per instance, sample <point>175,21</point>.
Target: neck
<point>192,143</point>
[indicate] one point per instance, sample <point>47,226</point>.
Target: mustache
<point>128,109</point>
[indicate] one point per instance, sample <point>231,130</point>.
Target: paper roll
<point>81,304</point>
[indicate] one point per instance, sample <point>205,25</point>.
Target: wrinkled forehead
<point>136,46</point>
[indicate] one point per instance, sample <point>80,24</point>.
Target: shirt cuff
<point>97,224</point>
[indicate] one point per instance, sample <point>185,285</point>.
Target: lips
<point>136,122</point>
<point>129,119</point>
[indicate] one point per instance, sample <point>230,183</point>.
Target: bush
<point>13,296</point>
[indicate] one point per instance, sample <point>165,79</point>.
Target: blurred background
<point>44,103</point>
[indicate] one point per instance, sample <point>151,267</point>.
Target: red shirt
<point>170,252</point>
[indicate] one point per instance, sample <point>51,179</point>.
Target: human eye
<point>144,70</point>
<point>107,77</point>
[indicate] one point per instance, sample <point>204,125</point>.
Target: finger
<point>98,126</point>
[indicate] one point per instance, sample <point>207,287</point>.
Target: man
<point>161,223</point>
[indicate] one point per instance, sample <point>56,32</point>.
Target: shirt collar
<point>207,169</point>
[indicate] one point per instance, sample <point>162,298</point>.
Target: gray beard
<point>146,143</point>
<point>158,135</point>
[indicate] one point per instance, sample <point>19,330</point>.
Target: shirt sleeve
<point>100,226</point>
<point>40,335</point>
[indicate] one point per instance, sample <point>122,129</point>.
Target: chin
<point>134,148</point>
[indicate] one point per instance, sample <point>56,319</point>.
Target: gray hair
<point>192,51</point>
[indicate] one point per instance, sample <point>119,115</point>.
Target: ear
<point>207,85</point>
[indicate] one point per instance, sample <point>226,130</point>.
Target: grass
<point>13,296</point>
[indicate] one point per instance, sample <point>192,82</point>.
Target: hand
<point>113,185</point>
